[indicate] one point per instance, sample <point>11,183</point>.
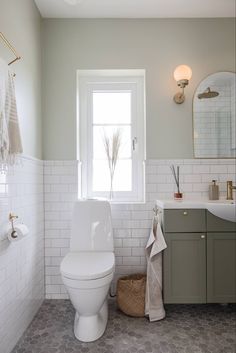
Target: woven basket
<point>131,294</point>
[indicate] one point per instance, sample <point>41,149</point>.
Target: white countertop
<point>172,204</point>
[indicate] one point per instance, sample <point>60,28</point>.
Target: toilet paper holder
<point>12,217</point>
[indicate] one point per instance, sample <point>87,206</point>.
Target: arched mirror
<point>214,122</point>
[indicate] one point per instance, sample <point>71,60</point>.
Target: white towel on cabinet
<point>154,307</point>
<point>10,139</point>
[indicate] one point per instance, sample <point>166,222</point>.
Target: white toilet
<point>87,270</point>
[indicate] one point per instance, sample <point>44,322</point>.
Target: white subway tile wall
<point>131,222</point>
<point>42,194</point>
<point>60,193</point>
<point>22,263</point>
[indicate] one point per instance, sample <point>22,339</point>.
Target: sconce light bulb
<point>182,72</point>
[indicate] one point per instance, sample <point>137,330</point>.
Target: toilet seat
<point>88,266</point>
<point>88,284</point>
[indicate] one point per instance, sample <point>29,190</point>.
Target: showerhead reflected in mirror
<point>208,93</point>
<point>214,122</point>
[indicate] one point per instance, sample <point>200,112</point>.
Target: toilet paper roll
<point>20,232</point>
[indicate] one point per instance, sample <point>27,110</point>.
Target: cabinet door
<point>185,268</point>
<point>221,267</point>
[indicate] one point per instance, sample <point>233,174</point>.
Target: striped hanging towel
<point>10,139</point>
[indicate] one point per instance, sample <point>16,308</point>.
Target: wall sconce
<point>182,75</point>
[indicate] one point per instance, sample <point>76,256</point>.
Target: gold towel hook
<point>156,210</point>
<point>12,217</point>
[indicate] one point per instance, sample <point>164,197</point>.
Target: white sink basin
<point>225,209</point>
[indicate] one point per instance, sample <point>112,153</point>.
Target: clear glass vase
<point>111,193</point>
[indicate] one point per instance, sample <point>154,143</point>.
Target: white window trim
<point>86,78</point>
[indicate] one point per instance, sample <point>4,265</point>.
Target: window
<point>111,103</point>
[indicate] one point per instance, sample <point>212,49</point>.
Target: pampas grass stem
<point>112,148</point>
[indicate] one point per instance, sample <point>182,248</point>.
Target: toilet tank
<point>91,226</point>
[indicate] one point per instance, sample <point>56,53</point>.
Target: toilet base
<point>90,328</point>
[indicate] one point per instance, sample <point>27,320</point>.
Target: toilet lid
<point>87,265</point>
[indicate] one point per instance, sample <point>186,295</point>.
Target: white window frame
<point>87,82</point>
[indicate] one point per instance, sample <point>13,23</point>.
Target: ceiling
<point>135,8</point>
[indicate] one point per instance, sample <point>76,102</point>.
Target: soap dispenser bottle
<point>213,191</point>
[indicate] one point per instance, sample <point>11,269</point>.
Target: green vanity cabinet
<point>221,260</point>
<point>199,264</point>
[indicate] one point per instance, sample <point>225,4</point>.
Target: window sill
<point>126,202</point>
<point>115,202</point>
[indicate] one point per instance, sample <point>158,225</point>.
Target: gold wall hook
<point>12,216</point>
<point>156,210</point>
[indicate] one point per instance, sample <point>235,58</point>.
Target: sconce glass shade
<point>182,72</point>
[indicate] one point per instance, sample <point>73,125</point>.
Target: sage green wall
<point>20,22</point>
<point>157,45</point>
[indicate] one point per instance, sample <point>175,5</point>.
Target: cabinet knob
<point>203,236</point>
<point>185,213</point>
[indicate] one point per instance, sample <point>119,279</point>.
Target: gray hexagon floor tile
<point>186,329</point>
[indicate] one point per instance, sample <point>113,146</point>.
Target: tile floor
<point>186,329</point>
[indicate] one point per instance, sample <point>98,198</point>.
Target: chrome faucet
<point>230,188</point>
